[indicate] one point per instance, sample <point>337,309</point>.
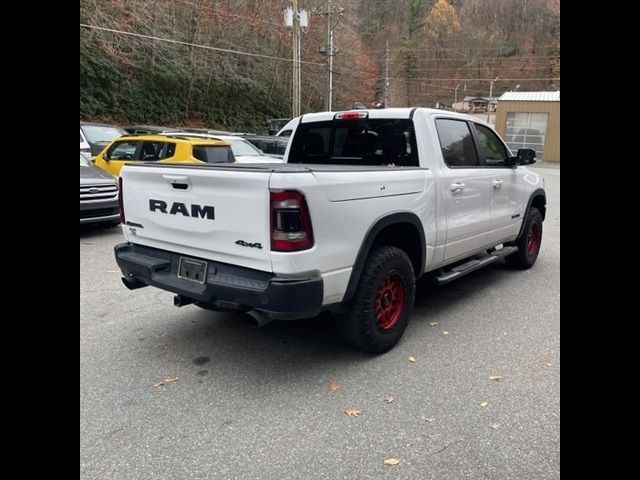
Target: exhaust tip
<point>180,301</point>
<point>132,283</point>
<point>258,319</point>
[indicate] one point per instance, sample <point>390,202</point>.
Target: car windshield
<point>101,133</point>
<point>242,147</point>
<point>83,161</point>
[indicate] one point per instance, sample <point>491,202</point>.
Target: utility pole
<point>386,75</point>
<point>329,91</point>
<point>330,50</point>
<point>295,90</point>
<point>330,64</point>
<point>490,96</point>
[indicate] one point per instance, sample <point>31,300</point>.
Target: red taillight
<point>290,222</point>
<point>121,200</point>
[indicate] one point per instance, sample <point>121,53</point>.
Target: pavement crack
<point>444,448</point>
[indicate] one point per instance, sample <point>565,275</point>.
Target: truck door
<point>465,188</point>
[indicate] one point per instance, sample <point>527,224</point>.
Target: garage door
<point>527,130</point>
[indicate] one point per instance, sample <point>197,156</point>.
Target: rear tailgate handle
<point>179,182</point>
<point>457,186</point>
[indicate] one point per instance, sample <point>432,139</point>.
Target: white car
<point>367,203</point>
<point>84,145</point>
<point>288,129</point>
<point>243,150</point>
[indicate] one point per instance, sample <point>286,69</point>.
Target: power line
<point>206,47</point>
<point>232,15</point>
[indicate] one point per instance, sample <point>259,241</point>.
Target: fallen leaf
<point>496,425</point>
<point>158,385</point>
<point>445,332</point>
<point>333,387</point>
<point>390,399</point>
<point>549,364</point>
<point>412,360</point>
<point>495,378</point>
<point>484,404</point>
<point>171,379</point>
<point>433,324</point>
<point>391,461</point>
<point>430,419</point>
<point>353,412</point>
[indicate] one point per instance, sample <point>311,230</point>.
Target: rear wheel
<point>380,310</point>
<point>528,242</point>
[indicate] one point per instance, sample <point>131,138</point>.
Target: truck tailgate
<point>217,214</point>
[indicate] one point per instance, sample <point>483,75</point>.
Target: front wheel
<point>380,310</point>
<point>528,242</point>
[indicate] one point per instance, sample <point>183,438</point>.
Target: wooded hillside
<point>434,46</point>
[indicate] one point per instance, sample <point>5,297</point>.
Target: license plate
<point>190,269</point>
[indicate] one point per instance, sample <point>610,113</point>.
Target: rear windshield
<point>213,154</point>
<point>356,142</point>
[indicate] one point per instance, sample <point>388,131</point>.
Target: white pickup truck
<point>369,201</point>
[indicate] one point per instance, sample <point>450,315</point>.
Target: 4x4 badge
<point>242,243</point>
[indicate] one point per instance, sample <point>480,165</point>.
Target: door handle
<point>457,186</point>
<point>497,183</point>
<point>179,182</point>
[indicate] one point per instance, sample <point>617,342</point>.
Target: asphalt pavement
<point>269,403</point>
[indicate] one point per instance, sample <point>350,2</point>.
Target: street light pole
<point>455,94</point>
<point>490,96</point>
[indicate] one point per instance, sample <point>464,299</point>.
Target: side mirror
<point>526,156</point>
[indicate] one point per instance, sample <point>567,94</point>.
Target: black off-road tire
<point>528,242</point>
<point>380,309</point>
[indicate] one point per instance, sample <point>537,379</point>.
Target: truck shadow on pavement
<point>211,342</point>
<point>93,230</point>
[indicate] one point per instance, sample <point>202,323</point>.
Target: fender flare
<point>539,192</point>
<point>365,248</point>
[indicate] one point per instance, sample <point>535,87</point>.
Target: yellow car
<point>162,148</point>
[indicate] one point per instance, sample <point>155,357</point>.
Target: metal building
<point>531,120</point>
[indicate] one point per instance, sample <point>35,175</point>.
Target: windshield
<point>242,147</point>
<point>83,161</point>
<point>101,134</point>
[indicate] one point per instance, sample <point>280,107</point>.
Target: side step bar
<point>472,265</point>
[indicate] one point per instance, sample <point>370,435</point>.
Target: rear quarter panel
<point>340,226</point>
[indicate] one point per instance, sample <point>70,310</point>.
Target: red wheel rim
<point>390,301</point>
<point>533,239</point>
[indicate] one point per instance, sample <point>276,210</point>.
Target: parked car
<point>149,129</point>
<point>99,135</point>
<point>164,148</point>
<point>276,124</point>
<point>243,151</point>
<point>368,202</point>
<point>269,145</point>
<point>98,194</point>
<point>84,145</point>
<point>288,129</point>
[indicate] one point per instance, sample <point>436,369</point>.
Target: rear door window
<point>356,142</point>
<point>153,151</point>
<point>213,154</point>
<point>456,142</point>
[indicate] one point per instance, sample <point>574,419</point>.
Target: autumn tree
<point>440,25</point>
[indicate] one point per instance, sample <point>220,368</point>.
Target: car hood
<point>95,176</point>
